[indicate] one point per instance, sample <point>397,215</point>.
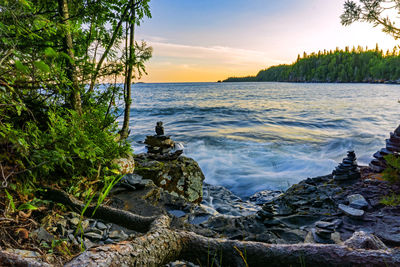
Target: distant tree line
<point>355,65</point>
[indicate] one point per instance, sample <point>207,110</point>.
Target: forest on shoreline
<point>339,66</point>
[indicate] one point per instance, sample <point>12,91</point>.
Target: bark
<point>10,259</point>
<point>128,93</point>
<point>69,50</point>
<point>162,245</point>
<point>159,246</point>
<point>120,217</point>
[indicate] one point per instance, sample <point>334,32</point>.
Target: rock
<point>126,165</point>
<point>325,225</point>
<point>101,226</point>
<point>159,128</point>
<point>357,201</point>
<point>93,236</point>
<point>266,196</point>
<point>134,182</point>
<point>321,239</point>
<point>88,244</point>
<point>392,147</point>
<point>42,235</point>
<point>182,176</point>
<point>225,202</point>
<point>362,240</point>
<point>74,221</point>
<point>118,235</point>
<point>356,213</point>
<point>348,169</point>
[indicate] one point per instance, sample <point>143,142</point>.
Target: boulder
<point>362,240</point>
<point>182,176</point>
<point>126,165</point>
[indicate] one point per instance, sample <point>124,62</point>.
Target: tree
<point>373,11</point>
<point>136,55</point>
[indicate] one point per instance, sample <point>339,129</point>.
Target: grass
<point>391,200</point>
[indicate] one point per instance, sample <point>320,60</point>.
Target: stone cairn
<point>159,144</point>
<point>392,147</point>
<point>348,169</point>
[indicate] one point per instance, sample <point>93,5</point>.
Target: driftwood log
<point>161,245</point>
<point>11,259</point>
<point>121,217</point>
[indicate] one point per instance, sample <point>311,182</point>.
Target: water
<point>254,136</point>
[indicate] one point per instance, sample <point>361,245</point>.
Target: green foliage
<point>376,12</point>
<point>392,171</point>
<point>357,65</point>
<point>44,137</point>
<point>392,200</point>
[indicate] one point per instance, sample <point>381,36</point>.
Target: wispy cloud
<point>212,54</point>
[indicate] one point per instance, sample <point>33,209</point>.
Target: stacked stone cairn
<point>392,147</point>
<point>159,144</point>
<point>323,231</point>
<point>348,169</point>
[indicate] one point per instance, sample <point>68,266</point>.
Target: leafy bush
<point>392,171</point>
<point>66,146</point>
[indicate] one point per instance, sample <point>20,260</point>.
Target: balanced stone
<point>348,169</point>
<point>160,128</point>
<point>159,143</point>
<point>357,201</point>
<point>392,147</point>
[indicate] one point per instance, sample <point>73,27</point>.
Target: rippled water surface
<point>254,136</point>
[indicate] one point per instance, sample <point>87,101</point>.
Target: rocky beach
<point>343,208</point>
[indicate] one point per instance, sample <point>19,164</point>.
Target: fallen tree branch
<point>161,245</point>
<point>120,217</point>
<point>10,259</point>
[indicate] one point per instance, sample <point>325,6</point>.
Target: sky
<point>210,40</point>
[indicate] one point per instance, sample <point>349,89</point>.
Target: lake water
<point>254,136</point>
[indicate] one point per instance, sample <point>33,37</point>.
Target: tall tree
<point>70,62</point>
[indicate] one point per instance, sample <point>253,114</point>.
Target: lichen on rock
<point>182,175</point>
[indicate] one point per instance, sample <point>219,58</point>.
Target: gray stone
<point>101,226</point>
<point>351,211</point>
<point>88,244</point>
<point>93,236</point>
<point>357,201</point>
<point>118,235</point>
<point>362,240</point>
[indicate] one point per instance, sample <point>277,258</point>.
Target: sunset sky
<point>209,40</point>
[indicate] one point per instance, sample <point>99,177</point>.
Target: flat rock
<point>356,213</point>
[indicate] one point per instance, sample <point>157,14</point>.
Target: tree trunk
<point>75,95</point>
<point>14,260</point>
<point>107,49</point>
<point>162,245</point>
<point>128,93</point>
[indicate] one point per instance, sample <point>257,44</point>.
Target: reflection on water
<point>254,136</point>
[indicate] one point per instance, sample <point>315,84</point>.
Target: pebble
<point>101,226</point>
<point>93,236</point>
<point>74,221</point>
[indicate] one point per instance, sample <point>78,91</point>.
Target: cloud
<point>221,55</point>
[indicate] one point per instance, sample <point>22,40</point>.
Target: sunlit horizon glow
<point>206,41</point>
